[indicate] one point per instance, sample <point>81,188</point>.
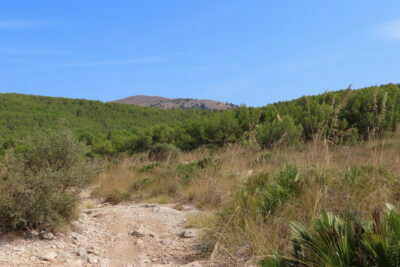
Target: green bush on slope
<point>40,182</point>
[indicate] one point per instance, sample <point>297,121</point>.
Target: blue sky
<point>250,51</point>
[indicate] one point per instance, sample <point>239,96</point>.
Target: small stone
<point>148,205</point>
<point>32,234</point>
<point>49,256</point>
<point>94,251</point>
<point>93,260</point>
<point>62,256</point>
<point>77,237</point>
<point>89,211</point>
<point>154,259</point>
<point>187,234</point>
<point>167,211</point>
<point>19,249</point>
<point>193,264</point>
<point>46,235</point>
<point>141,232</point>
<point>81,251</point>
<point>74,263</point>
<point>166,242</point>
<point>139,242</point>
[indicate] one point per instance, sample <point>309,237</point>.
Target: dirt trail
<point>112,235</point>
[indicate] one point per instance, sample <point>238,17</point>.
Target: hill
<point>177,103</point>
<point>346,116</point>
<point>21,114</point>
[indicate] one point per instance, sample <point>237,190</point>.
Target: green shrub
<point>333,241</point>
<point>138,143</point>
<point>104,148</point>
<point>263,193</point>
<point>279,132</point>
<point>357,175</point>
<point>187,171</point>
<point>41,180</point>
<point>163,152</point>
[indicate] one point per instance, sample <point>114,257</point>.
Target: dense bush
<point>261,194</point>
<point>281,132</point>
<point>334,241</point>
<point>40,182</point>
<point>137,143</point>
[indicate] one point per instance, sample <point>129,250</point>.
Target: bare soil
<point>129,234</point>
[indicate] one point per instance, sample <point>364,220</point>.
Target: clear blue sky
<point>248,51</point>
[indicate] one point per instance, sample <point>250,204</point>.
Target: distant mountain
<point>179,103</point>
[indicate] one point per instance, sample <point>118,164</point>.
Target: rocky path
<point>111,235</point>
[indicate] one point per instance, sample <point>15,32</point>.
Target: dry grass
<point>348,180</point>
<point>200,220</point>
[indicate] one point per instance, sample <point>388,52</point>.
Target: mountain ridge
<point>177,103</point>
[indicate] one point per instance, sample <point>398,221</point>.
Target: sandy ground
<point>128,234</point>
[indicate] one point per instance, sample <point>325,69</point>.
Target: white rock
<point>32,234</point>
<point>167,211</point>
<point>62,255</point>
<point>74,263</point>
<point>145,261</point>
<point>49,256</point>
<point>193,264</point>
<point>94,251</point>
<point>187,234</point>
<point>93,260</point>
<point>46,235</point>
<point>77,237</point>
<point>166,242</point>
<point>81,251</point>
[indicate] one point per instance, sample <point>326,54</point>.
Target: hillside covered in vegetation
<point>110,128</point>
<point>308,182</point>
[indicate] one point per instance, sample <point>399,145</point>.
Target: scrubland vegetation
<point>40,182</point>
<point>309,182</point>
<point>110,129</point>
<point>260,201</point>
